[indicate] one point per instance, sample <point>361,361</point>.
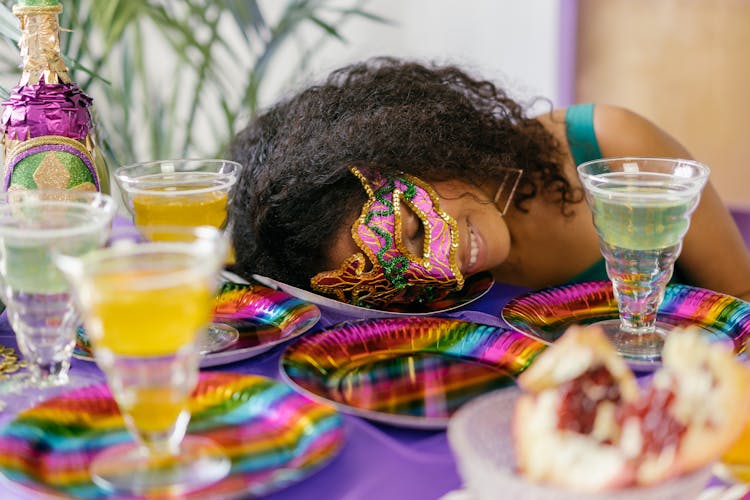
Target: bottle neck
<point>41,59</point>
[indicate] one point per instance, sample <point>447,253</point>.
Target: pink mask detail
<point>395,274</point>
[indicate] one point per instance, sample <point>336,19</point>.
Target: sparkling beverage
<point>152,327</point>
<point>40,309</point>
<point>641,209</point>
<point>641,229</point>
<point>650,223</point>
<point>145,303</point>
<point>202,204</point>
<point>134,321</point>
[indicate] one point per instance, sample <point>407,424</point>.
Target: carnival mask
<point>387,272</point>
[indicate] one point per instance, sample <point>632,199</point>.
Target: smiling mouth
<point>473,248</point>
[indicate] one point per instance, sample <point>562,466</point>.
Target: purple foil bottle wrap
<point>46,109</point>
<point>46,127</point>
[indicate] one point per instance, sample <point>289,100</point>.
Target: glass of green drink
<point>641,209</point>
<point>34,225</point>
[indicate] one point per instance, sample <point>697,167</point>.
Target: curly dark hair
<point>435,122</point>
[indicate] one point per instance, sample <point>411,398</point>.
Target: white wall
<point>512,42</point>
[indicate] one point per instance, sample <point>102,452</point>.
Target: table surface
<point>377,461</point>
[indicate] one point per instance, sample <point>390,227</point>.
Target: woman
<point>393,181</point>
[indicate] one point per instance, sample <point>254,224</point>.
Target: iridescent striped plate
<point>475,287</point>
<point>273,435</point>
<point>544,315</point>
<point>263,316</point>
<point>411,372</point>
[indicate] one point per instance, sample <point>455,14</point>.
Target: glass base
<point>641,351</point>
<point>218,337</point>
<point>127,468</point>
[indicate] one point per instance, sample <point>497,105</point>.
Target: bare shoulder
<point>623,132</point>
<point>554,121</point>
<point>619,132</point>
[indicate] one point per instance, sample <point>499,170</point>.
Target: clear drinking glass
<point>146,299</point>
<point>641,209</point>
<point>40,308</point>
<point>190,192</point>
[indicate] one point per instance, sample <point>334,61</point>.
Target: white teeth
<point>474,250</point>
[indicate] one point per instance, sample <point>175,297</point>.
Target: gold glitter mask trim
<point>386,271</point>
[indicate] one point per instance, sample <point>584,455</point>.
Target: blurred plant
<point>176,78</point>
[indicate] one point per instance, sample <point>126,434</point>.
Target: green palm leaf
<point>215,57</point>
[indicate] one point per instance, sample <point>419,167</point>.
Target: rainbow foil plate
<point>273,435</point>
<point>545,315</point>
<point>412,372</point>
<point>263,316</point>
<point>475,287</point>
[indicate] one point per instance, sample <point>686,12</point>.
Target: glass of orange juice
<point>145,303</point>
<point>182,192</point>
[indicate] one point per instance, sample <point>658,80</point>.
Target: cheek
<point>497,238</point>
<point>503,241</point>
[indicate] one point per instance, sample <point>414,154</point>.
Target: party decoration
<point>409,371</point>
<point>273,436</point>
<point>47,133</point>
<point>386,271</point>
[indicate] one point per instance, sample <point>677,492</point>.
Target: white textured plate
<point>480,435</point>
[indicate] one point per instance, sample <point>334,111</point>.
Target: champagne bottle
<point>47,133</point>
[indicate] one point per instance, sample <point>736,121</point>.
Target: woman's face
<point>484,240</point>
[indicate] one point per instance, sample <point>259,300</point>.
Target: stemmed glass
<point>146,298</point>
<point>40,308</point>
<point>641,209</point>
<point>189,192</point>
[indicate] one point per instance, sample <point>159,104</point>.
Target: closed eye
<point>412,231</point>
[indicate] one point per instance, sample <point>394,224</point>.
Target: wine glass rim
<point>703,169</point>
<point>99,207</point>
<point>175,161</point>
<point>145,183</point>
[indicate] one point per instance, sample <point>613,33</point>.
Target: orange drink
<point>153,409</point>
<point>190,192</point>
<point>736,460</point>
<point>170,208</point>
<point>178,192</point>
<point>135,321</point>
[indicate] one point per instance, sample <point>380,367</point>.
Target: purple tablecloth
<point>377,461</point>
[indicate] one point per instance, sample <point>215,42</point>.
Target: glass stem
<point>637,307</point>
<point>639,278</point>
<point>49,374</point>
<point>166,443</point>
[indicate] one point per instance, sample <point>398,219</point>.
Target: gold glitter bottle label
<point>50,162</point>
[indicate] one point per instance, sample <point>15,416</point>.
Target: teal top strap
<point>579,127</point>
